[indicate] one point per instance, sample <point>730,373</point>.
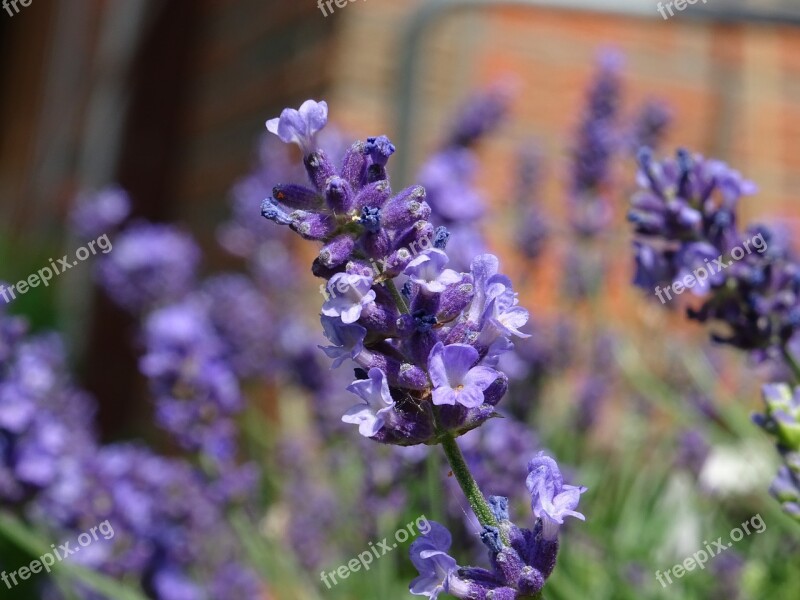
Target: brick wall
<point>735,91</point>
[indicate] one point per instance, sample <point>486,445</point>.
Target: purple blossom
<point>448,178</point>
<point>169,533</point>
<point>650,126</point>
<point>429,555</point>
<point>377,407</point>
<point>367,236</point>
<point>348,295</point>
<point>99,213</point>
<point>551,499</point>
<point>195,388</point>
<point>300,126</point>
<point>455,378</point>
<point>428,271</point>
<point>597,141</point>
<point>481,114</point>
<point>347,340</point>
<point>45,422</point>
<point>786,488</point>
<point>150,265</point>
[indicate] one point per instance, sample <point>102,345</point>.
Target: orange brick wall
<point>735,91</point>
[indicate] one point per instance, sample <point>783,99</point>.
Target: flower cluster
<point>168,520</point>
<point>426,339</point>
<point>167,526</point>
<point>650,125</point>
<point>195,389</point>
<point>45,422</point>
<point>426,355</point>
<point>99,213</point>
<point>595,145</point>
<point>150,264</point>
<point>686,215</point>
<point>521,559</point>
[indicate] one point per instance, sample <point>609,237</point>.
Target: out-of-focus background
<point>168,99</point>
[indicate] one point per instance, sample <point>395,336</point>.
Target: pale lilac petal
<point>315,114</point>
<point>369,424</point>
<point>444,395</point>
<point>481,377</point>
<point>470,396</point>
<point>458,359</point>
<point>436,368</point>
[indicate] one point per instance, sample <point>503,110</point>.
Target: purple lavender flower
<point>685,214</point>
<point>347,340</point>
<point>428,271</point>
<point>481,114</point>
<point>300,126</point>
<point>521,559</point>
<point>244,321</point>
<point>551,499</point>
<point>196,390</point>
<point>650,126</point>
<point>786,488</point>
<point>448,178</point>
<point>377,407</point>
<point>597,140</point>
<point>99,213</point>
<point>456,378</point>
<point>348,294</point>
<point>169,533</point>
<point>429,555</point>
<point>150,265</point>
<point>374,241</point>
<point>45,422</point>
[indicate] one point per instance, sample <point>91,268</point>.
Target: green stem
<point>397,296</point>
<point>468,484</point>
<point>792,363</point>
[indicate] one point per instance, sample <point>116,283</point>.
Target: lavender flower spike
<point>429,555</point>
<point>372,415</point>
<point>551,499</point>
<point>301,126</point>
<point>455,379</point>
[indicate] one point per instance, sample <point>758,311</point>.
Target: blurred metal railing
<point>431,12</point>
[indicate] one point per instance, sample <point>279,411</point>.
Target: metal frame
<point>431,12</point>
